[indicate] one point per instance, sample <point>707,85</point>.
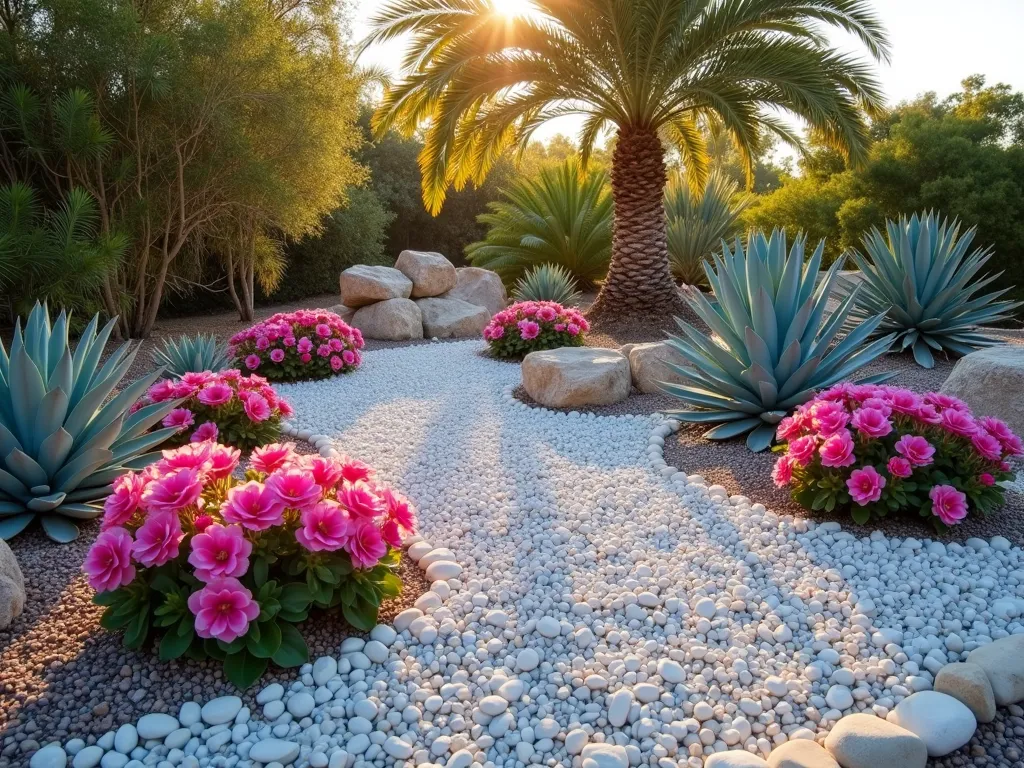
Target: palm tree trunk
<point>639,279</point>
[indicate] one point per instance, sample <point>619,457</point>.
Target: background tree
<point>479,82</point>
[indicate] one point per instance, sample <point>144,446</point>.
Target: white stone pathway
<point>604,601</point>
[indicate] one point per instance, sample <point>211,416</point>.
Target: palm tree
<point>479,81</point>
<point>563,217</point>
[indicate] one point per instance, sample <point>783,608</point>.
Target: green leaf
<point>268,641</point>
<point>360,614</point>
<point>295,597</point>
<point>243,669</point>
<point>137,631</point>
<point>293,651</point>
<point>260,571</point>
<point>173,645</point>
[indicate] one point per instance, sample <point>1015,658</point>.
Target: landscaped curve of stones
<point>592,606</point>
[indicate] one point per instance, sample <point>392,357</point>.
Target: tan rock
<point>431,273</point>
<point>452,318</point>
<point>969,684</point>
<point>12,586</point>
<point>481,287</point>
<point>364,284</point>
<point>867,741</point>
<point>1003,662</point>
<point>576,376</point>
<point>345,313</point>
<point>990,381</point>
<point>734,758</point>
<point>390,320</point>
<point>648,366</point>
<point>801,753</point>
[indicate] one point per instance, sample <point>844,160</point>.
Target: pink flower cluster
<point>189,510</point>
<point>305,344</point>
<point>215,405</point>
<point>892,444</point>
<point>532,325</point>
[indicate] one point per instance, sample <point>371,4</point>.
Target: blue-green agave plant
<point>547,282</point>
<point>63,438</point>
<point>923,280</point>
<point>774,346</point>
<point>185,354</point>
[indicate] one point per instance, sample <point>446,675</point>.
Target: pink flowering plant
<point>878,450</point>
<point>225,567</point>
<point>530,326</point>
<point>293,346</point>
<point>227,407</point>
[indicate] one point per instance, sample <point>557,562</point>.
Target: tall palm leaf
<point>562,217</point>
<point>698,222</point>
<point>479,82</point>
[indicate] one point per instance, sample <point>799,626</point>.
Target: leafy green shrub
<point>226,568</point>
<point>63,438</point>
<point>774,346</point>
<point>547,282</point>
<point>530,326</point>
<point>697,224</point>
<point>192,354</point>
<point>924,283</point>
<point>563,217</point>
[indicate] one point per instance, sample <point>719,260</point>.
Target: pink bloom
<point>108,565</point>
<point>353,470</point>
<point>182,418</point>
<point>270,458</point>
<point>182,389</point>
<point>223,610</point>
<point>865,485</point>
<point>161,391</point>
<point>916,449</point>
<point>288,341</point>
<point>829,417</point>
<point>871,422</point>
<point>327,473</point>
<point>336,345</point>
<point>253,506</point>
<point>262,343</point>
<point>220,551</point>
<point>337,363</point>
<point>194,456</point>
<point>559,327</point>
<point>987,445</point>
<point>391,532</point>
<point>1014,446</point>
<point>904,401</point>
<point>941,400</point>
<point>928,414</point>
<point>124,500</point>
<point>400,511</point>
<point>802,449</point>
<point>285,409</point>
<point>948,504</point>
<point>837,450</point>
<point>205,431</point>
<point>958,422</point>
<point>202,522</point>
<point>900,467</point>
<point>348,356</point>
<point>173,491</point>
<point>782,472</point>
<point>216,394</point>
<point>546,314</point>
<point>257,408</point>
<point>323,330</point>
<point>788,428</point>
<point>324,350</point>
<point>252,362</point>
<point>986,479</point>
<point>528,329</point>
<point>325,527</point>
<point>878,404</point>
<point>294,488</point>
<point>366,546</point>
<point>997,428</point>
<point>360,500</point>
<point>304,345</point>
<point>277,355</point>
<point>573,329</point>
<point>156,542</point>
<point>305,357</point>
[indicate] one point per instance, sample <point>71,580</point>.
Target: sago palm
<point>563,217</point>
<point>698,222</point>
<point>479,81</point>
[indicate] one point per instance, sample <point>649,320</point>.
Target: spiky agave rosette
<point>774,345</point>
<point>62,441</point>
<point>925,284</point>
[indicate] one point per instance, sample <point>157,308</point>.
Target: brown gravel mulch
<point>62,676</point>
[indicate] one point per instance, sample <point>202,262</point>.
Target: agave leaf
<point>923,355</point>
<point>731,429</point>
<point>59,528</point>
<point>706,417</point>
<point>49,417</point>
<point>80,511</point>
<point>27,391</point>
<point>26,468</point>
<point>761,437</point>
<point>46,503</point>
<point>54,451</point>
<point>13,487</point>
<point>12,526</point>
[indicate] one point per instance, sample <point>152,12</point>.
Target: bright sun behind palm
<point>513,8</point>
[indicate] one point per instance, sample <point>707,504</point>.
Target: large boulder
<point>12,586</point>
<point>364,284</point>
<point>801,753</point>
<point>867,741</point>
<point>390,320</point>
<point>345,313</point>
<point>990,381</point>
<point>943,723</point>
<point>647,364</point>
<point>431,273</point>
<point>1003,662</point>
<point>575,376</point>
<point>452,318</point>
<point>969,684</point>
<point>734,758</point>
<point>481,287</point>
